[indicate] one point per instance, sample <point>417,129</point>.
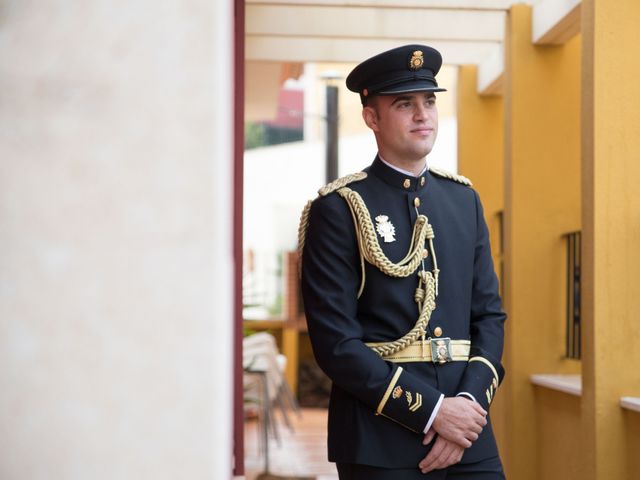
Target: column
<point>611,226</point>
<point>481,159</point>
<point>115,213</point>
<point>542,203</point>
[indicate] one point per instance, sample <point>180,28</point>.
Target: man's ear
<point>370,117</point>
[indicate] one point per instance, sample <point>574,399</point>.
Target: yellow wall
<point>631,441</point>
<point>571,118</point>
<point>611,142</point>
<point>542,202</point>
<point>481,158</point>
<point>558,452</point>
<point>481,147</point>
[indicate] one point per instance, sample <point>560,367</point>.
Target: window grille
<point>574,265</point>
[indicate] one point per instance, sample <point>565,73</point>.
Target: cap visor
<point>411,87</point>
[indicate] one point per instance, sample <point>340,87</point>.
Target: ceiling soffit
<point>464,31</point>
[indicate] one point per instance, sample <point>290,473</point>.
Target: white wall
<point>115,273</point>
<point>220,306</point>
<point>278,181</point>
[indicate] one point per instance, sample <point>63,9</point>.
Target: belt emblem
<point>441,350</point>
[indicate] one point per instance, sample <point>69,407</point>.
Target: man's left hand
<point>443,454</point>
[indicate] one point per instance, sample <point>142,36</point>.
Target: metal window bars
<point>573,319</point>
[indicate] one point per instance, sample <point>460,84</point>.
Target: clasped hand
<point>459,423</point>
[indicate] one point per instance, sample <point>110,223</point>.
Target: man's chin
<point>421,153</point>
<point>423,149</point>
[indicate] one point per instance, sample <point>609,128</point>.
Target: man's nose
<point>420,112</point>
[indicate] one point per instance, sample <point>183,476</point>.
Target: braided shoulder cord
<point>426,297</point>
<point>326,190</point>
<point>302,233</point>
<point>363,272</point>
<point>371,251</point>
<point>370,247</point>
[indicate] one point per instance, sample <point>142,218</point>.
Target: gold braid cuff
<point>488,364</point>
<point>390,388</point>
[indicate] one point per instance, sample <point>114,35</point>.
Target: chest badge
<point>385,229</point>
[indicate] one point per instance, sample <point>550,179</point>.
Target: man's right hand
<point>460,420</point>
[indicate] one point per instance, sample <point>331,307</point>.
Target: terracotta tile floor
<point>301,452</point>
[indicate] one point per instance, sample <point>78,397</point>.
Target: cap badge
<point>417,60</point>
<point>385,229</point>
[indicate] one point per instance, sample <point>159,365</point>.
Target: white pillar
<point>223,229</point>
<point>115,239</point>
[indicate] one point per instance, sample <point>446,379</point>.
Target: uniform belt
<point>436,350</point>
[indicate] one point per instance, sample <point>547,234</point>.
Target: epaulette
<point>451,176</point>
<point>341,182</point>
<point>326,190</point>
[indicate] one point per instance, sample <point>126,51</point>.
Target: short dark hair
<point>370,101</point>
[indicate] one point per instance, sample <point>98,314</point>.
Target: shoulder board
<point>451,176</point>
<point>341,182</point>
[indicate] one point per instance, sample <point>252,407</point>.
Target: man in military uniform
<point>400,294</point>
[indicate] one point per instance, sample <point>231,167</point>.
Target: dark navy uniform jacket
<point>468,307</point>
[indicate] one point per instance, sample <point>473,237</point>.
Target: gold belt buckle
<point>441,350</point>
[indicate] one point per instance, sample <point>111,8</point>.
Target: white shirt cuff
<point>468,395</point>
<point>436,409</point>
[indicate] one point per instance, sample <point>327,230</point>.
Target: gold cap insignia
<point>417,60</point>
<point>397,392</point>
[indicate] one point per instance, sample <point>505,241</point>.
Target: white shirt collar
<point>398,169</point>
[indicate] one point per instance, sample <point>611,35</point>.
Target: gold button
<point>416,202</point>
<point>437,332</point>
<point>407,183</point>
<point>425,253</point>
<point>422,181</point>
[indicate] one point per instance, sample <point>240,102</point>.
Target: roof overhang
<point>466,32</point>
